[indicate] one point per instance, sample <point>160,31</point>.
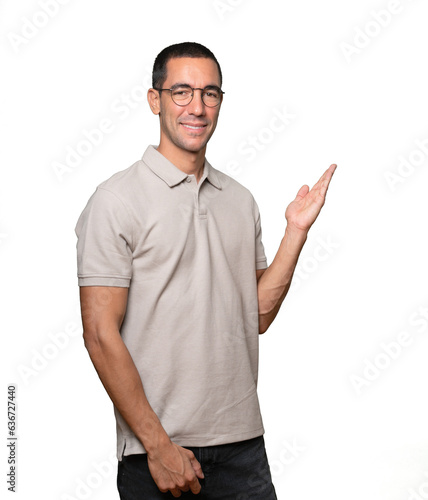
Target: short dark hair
<point>185,49</point>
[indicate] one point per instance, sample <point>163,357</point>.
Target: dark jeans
<point>236,471</point>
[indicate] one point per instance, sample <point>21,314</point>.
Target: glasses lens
<point>181,95</point>
<point>211,97</point>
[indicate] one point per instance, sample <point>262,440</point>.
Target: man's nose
<point>196,105</point>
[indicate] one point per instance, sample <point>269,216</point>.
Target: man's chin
<point>194,146</point>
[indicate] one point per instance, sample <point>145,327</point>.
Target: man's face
<point>188,127</point>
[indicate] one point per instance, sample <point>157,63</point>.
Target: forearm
<point>122,382</point>
<point>274,284</point>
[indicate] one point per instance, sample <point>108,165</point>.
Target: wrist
<point>152,435</point>
<point>156,443</point>
<point>295,233</point>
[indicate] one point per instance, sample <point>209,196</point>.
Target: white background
<point>357,432</point>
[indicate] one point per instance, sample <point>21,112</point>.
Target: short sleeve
<point>261,261</point>
<point>104,242</point>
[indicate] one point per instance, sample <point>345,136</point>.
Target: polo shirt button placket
<point>201,210</point>
<point>190,179</point>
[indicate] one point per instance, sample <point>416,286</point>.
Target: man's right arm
<point>103,308</point>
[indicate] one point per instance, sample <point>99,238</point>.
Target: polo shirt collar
<point>171,174</point>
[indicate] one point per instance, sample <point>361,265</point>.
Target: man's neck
<point>187,161</point>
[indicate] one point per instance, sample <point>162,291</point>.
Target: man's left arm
<point>274,282</point>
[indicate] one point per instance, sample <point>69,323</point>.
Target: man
<point>175,289</point>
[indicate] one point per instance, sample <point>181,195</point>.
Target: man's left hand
<point>303,211</point>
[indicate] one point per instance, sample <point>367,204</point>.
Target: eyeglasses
<point>182,95</point>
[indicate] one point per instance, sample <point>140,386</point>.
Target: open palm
<point>304,209</point>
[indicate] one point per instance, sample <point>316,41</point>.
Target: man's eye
<point>181,92</point>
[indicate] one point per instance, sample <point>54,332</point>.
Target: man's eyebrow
<point>214,87</point>
<point>188,85</point>
<point>180,85</point>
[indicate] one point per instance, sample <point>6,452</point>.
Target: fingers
<point>176,469</point>
<point>324,180</point>
<point>329,172</point>
<point>196,465</point>
<point>200,474</point>
<point>194,485</point>
<point>327,175</point>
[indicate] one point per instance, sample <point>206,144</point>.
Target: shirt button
<point>188,179</point>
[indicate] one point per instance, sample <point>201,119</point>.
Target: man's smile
<point>194,127</point>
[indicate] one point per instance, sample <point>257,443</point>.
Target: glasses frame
<point>174,87</point>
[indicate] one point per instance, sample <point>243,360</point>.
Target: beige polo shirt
<point>188,253</point>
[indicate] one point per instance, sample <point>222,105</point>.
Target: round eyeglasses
<point>182,95</point>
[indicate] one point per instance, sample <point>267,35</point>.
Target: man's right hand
<point>175,469</point>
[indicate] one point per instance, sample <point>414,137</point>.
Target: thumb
<point>303,191</point>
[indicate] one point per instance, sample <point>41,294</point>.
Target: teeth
<point>196,128</point>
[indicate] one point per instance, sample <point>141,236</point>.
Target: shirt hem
<point>128,445</point>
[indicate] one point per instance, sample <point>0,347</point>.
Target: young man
<point>175,289</point>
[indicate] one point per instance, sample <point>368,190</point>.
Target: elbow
<point>267,313</point>
<point>263,325</point>
<point>91,341</point>
<point>98,339</point>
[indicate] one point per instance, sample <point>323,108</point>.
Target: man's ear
<point>153,97</point>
